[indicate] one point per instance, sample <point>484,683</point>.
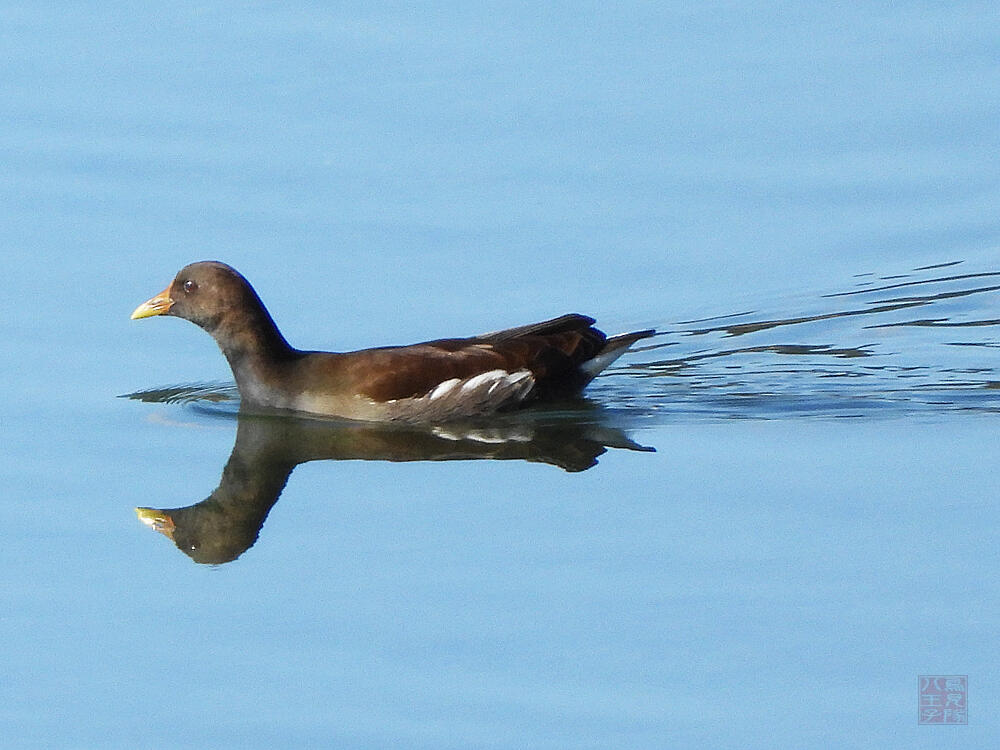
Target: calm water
<point>755,532</point>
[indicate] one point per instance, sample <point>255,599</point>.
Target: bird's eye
<point>190,286</point>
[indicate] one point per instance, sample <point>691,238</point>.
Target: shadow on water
<point>268,447</point>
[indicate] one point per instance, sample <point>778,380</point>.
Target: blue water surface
<point>802,198</point>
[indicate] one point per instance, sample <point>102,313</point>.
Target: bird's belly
<point>332,405</point>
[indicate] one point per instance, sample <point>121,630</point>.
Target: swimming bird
<point>433,381</point>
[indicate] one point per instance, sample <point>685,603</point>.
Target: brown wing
<point>552,351</point>
<point>562,324</point>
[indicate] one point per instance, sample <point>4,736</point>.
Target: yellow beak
<point>158,305</point>
<point>159,520</point>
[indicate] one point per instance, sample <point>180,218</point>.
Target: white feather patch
<point>443,388</point>
<point>598,363</point>
<point>493,378</point>
<point>481,394</point>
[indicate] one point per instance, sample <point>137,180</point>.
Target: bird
<point>430,382</point>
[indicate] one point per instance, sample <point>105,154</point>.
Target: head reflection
<point>268,448</point>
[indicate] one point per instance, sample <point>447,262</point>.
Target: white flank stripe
<point>442,388</point>
<point>493,377</point>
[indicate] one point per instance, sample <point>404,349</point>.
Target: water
<point>802,200</point>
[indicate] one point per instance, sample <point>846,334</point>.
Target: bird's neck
<point>257,354</point>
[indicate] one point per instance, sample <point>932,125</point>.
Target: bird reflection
<point>268,448</point>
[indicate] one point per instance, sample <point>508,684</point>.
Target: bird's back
<point>462,377</point>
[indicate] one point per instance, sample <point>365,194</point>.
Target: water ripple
<point>223,398</point>
<point>875,356</point>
